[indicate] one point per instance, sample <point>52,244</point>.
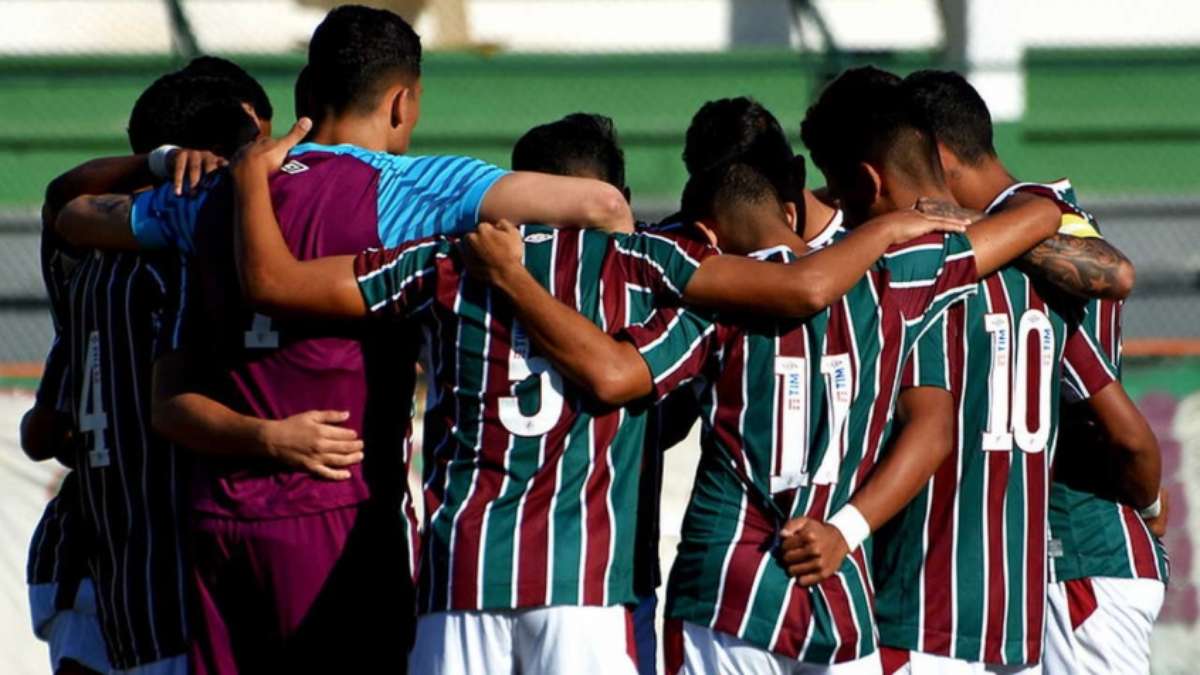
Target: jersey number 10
<point>1003,427</point>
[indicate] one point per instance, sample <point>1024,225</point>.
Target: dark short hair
<point>955,111</point>
<point>245,88</point>
<point>356,53</point>
<point>862,116</point>
<point>725,188</point>
<point>198,112</point>
<point>741,130</point>
<point>578,144</point>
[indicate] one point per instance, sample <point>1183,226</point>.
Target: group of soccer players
<point>916,452</point>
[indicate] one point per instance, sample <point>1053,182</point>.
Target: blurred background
<point>1105,92</point>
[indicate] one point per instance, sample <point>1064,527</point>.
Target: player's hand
<point>1158,524</point>
<point>313,441</point>
<point>190,166</point>
<point>811,550</point>
<point>268,154</point>
<point>907,224</point>
<point>938,208</point>
<point>492,251</point>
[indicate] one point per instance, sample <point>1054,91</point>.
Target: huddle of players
<point>862,376</point>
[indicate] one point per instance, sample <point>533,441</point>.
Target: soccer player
<point>247,90</point>
<point>532,488</point>
<point>726,576</point>
<point>586,145</point>
<point>856,151</point>
<point>61,593</point>
<point>124,310</point>
<point>347,190</point>
<point>1109,572</point>
<point>742,130</point>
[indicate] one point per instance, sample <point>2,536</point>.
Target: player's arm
<point>89,206</point>
<point>1087,267</point>
<point>809,285</point>
<point>567,201</point>
<point>272,278</point>
<point>311,441</point>
<point>1139,469</point>
<point>1000,238</point>
<point>612,370</point>
<point>45,433</point>
<point>813,550</point>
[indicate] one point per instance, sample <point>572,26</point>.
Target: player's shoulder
<point>933,242</point>
<point>1075,221</point>
<point>674,234</point>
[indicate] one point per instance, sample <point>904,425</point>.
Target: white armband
<point>854,528</point>
<point>1154,510</point>
<point>157,160</point>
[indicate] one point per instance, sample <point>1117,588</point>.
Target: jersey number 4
<point>1036,335</point>
<point>92,417</point>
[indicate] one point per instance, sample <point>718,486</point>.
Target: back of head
<point>245,88</point>
<point>738,199</point>
<point>197,112</point>
<point>741,130</point>
<point>580,144</point>
<point>954,110</point>
<point>356,54</point>
<point>863,117</point>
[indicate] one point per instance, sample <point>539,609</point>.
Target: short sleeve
<point>927,364</point>
<point>421,197</point>
<point>659,262</point>
<point>175,320</point>
<point>396,281</point>
<point>925,276</point>
<point>53,390</point>
<point>161,219</point>
<point>675,343</point>
<point>1085,368</point>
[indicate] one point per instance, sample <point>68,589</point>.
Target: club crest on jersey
<point>538,238</point>
<point>293,167</point>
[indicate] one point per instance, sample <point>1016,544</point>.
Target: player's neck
<point>765,238</point>
<point>817,215</point>
<point>976,187</point>
<point>352,130</point>
<point>903,195</point>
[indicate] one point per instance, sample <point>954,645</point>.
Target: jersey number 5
<point>519,368</point>
<point>1010,386</point>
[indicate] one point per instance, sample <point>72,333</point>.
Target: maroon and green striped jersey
<point>531,488</point>
<point>794,416</point>
<point>1092,536</point>
<point>962,570</point>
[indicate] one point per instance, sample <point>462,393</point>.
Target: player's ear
<point>948,159</point>
<point>792,214</point>
<point>402,108</point>
<point>869,183</point>
<point>706,228</point>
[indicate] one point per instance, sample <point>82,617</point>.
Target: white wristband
<point>1152,511</point>
<point>157,160</point>
<point>854,528</point>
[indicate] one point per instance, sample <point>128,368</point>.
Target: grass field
<point>1120,121</point>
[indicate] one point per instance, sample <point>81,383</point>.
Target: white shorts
<point>71,633</point>
<point>548,640</point>
<point>706,651</point>
<point>904,662</point>
<point>1101,625</point>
